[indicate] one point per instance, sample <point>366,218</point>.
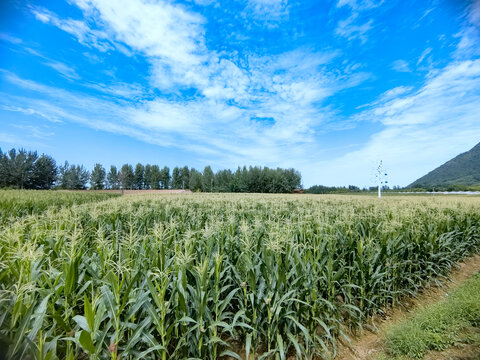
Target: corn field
<point>216,276</point>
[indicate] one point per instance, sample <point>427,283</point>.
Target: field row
<point>211,276</point>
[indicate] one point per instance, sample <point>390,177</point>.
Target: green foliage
<point>126,176</point>
<point>113,180</point>
<point>440,325</point>
<point>97,178</point>
<point>72,177</point>
<point>165,177</point>
<point>155,177</point>
<point>195,182</point>
<point>321,189</point>
<point>25,170</point>
<point>206,277</point>
<point>457,174</point>
<point>139,177</point>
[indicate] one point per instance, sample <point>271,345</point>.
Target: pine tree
<point>113,180</point>
<point>139,178</point>
<point>127,176</point>
<point>44,173</point>
<point>97,178</point>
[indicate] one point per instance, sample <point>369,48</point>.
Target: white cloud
<point>10,39</point>
<point>422,129</point>
<point>65,70</point>
<point>288,88</point>
<point>77,28</point>
<point>360,5</point>
<point>267,11</point>
<point>424,54</point>
<point>350,30</point>
<point>218,123</point>
<point>401,66</point>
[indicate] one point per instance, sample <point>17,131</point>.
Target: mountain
<point>463,169</point>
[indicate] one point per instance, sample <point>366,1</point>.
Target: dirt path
<point>369,344</point>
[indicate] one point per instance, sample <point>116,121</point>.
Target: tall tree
<point>127,176</point>
<point>97,178</point>
<point>20,167</point>
<point>4,169</point>
<point>44,173</point>
<point>176,179</point>
<point>113,180</point>
<point>184,177</point>
<point>207,179</point>
<point>74,177</point>
<point>147,176</point>
<point>139,178</point>
<point>165,177</point>
<point>195,180</point>
<point>155,177</point>
<point>223,181</point>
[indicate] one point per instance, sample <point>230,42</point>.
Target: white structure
<point>380,177</point>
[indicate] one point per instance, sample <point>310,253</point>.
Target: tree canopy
<point>26,170</point>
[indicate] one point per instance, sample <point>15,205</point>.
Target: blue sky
<point>327,87</point>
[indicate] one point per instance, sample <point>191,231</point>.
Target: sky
<point>329,88</point>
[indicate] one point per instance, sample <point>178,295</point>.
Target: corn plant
<point>191,276</point>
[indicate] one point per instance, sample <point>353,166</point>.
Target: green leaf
<point>85,340</point>
<point>82,322</point>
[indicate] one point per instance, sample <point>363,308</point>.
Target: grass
<point>452,321</point>
<point>214,276</point>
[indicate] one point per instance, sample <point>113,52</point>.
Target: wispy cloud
<point>65,70</point>
<point>35,131</point>
<point>401,66</point>
<point>359,5</point>
<point>269,12</point>
<point>353,27</point>
<point>424,54</point>
<point>421,129</point>
<point>288,88</point>
<point>77,28</point>
<point>349,28</point>
<point>10,39</point>
<point>232,109</point>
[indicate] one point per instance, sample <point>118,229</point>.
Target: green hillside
<point>464,169</point>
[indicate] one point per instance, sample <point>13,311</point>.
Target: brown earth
<point>369,344</point>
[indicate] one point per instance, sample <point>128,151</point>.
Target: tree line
<point>24,169</point>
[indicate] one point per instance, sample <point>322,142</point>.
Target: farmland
<point>205,276</point>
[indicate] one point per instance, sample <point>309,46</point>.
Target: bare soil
<point>369,344</point>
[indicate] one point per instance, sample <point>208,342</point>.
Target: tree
<point>126,176</point>
<point>176,180</point>
<point>184,177</point>
<point>139,178</point>
<point>97,178</point>
<point>3,169</point>
<point>165,177</point>
<point>195,180</point>
<point>155,177</point>
<point>113,180</point>
<point>207,179</point>
<point>44,173</point>
<point>223,181</point>
<point>73,177</point>
<point>18,168</point>
<point>147,176</point>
